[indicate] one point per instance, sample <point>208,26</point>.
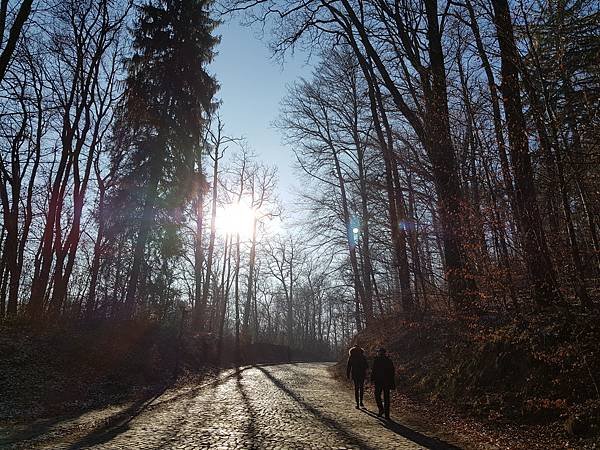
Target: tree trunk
<point>536,253</point>
<point>491,82</point>
<point>451,203</point>
<point>435,136</point>
<point>385,142</point>
<point>14,34</point>
<point>237,295</point>
<point>351,240</point>
<point>95,269</point>
<point>143,234</point>
<point>198,315</point>
<point>211,243</point>
<point>224,288</point>
<point>249,293</point>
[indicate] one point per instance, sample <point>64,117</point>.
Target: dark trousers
<point>359,389</point>
<point>385,406</point>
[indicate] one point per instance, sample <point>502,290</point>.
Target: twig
<point>591,376</point>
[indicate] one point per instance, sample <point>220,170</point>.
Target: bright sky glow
<point>252,85</point>
<point>235,218</point>
<point>272,226</point>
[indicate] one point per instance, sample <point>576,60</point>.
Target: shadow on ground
<point>111,426</point>
<point>343,431</point>
<point>349,435</point>
<point>412,435</point>
<point>119,423</point>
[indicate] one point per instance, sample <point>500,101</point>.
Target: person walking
<point>383,378</point>
<point>357,367</point>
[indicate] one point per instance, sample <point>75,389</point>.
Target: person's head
<point>381,351</point>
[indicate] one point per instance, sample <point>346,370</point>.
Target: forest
<point>448,205</point>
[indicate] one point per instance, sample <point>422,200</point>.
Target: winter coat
<point>383,373</point>
<point>357,364</point>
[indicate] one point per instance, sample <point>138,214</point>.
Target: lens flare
<point>236,218</point>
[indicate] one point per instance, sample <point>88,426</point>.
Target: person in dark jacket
<point>357,367</point>
<point>383,378</point>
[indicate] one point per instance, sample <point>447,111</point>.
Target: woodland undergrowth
<point>539,371</point>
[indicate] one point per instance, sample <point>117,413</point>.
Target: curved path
<point>286,406</point>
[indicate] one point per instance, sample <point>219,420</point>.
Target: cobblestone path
<point>287,406</point>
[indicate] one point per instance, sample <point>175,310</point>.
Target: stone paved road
<point>287,406</point>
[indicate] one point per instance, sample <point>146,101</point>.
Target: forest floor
<point>475,431</point>
<point>518,383</point>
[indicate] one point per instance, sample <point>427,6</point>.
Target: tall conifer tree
<point>168,96</point>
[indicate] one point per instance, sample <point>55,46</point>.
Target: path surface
<point>287,406</point>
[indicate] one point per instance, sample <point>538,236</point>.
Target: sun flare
<point>236,218</point>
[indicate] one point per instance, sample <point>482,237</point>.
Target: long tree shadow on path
<point>347,434</point>
<point>412,435</point>
<point>250,428</point>
<point>354,438</point>
<point>119,423</point>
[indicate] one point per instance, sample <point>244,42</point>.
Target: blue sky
<point>252,85</point>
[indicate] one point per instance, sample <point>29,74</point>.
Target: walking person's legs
<point>357,394</point>
<point>386,402</point>
<point>378,389</point>
<point>361,391</point>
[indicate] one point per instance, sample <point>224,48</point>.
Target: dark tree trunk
<point>531,233</point>
<point>3,285</point>
<point>351,240</point>
<point>250,291</point>
<point>385,142</point>
<point>435,136</point>
<point>201,307</point>
<point>145,227</point>
<point>198,315</point>
<point>224,294</point>
<point>14,34</point>
<point>498,133</point>
<point>237,295</point>
<point>96,259</point>
<point>461,288</point>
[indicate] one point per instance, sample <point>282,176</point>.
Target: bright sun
<point>236,218</point>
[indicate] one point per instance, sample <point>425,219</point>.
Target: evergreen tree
<point>168,96</point>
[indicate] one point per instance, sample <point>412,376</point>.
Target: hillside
<point>528,382</point>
